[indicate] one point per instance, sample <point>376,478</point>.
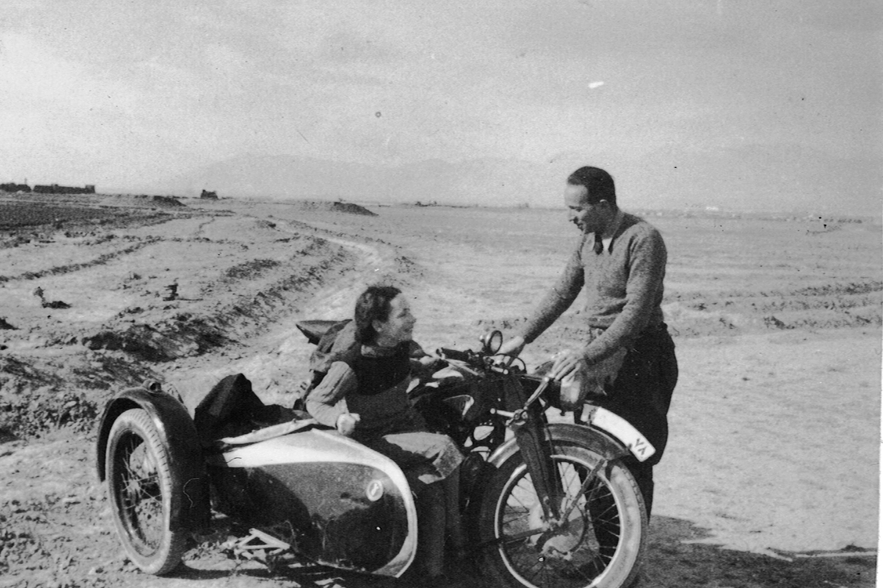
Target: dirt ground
<point>771,474</point>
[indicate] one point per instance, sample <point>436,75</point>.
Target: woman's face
<point>398,326</point>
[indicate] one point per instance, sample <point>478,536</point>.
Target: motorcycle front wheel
<point>140,482</point>
<point>600,544</point>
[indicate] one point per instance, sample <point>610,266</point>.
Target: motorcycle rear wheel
<point>139,484</point>
<point>572,557</point>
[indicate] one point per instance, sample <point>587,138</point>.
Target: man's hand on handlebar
<point>513,346</point>
<point>566,362</point>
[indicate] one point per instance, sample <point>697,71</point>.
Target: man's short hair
<point>597,182</point>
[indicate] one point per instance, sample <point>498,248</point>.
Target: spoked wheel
<point>599,543</point>
<point>140,483</point>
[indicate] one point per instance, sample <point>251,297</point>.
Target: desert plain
<point>771,474</point>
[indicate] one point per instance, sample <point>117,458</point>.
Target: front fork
<point>528,425</point>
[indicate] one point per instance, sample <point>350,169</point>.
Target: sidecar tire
<point>506,505</point>
<point>140,483</point>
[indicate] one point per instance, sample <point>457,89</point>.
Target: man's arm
<point>647,259</point>
<point>558,299</point>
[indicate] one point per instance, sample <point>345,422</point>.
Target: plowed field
<point>771,474</point>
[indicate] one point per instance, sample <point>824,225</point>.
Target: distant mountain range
<point>491,182</point>
<point>759,178</point>
<point>769,178</point>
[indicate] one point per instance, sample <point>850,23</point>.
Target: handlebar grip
<point>454,354</point>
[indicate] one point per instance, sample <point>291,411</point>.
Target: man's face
<point>587,217</point>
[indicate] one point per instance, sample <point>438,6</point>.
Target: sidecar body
<point>328,498</point>
<point>337,501</point>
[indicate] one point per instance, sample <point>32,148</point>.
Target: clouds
<point>857,16</point>
<point>38,75</point>
<point>57,113</point>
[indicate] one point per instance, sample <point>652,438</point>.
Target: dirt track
<point>775,422</point>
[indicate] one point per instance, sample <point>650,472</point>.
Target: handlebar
<point>455,354</point>
<point>476,360</point>
<point>485,364</point>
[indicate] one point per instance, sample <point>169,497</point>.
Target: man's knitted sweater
<point>623,287</point>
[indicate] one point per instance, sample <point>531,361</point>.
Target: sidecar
<point>298,486</point>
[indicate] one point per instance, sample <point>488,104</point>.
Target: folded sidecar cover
<point>232,408</point>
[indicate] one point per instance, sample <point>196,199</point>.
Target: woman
<point>364,395</point>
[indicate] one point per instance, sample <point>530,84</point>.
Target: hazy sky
<point>116,93</point>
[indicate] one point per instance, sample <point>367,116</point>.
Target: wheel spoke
<point>140,498</point>
<point>574,553</point>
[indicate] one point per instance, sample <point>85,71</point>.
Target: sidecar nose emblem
<point>374,490</point>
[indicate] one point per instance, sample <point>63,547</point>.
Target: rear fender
<point>190,504</point>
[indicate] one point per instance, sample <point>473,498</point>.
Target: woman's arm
<point>422,363</point>
<point>327,401</point>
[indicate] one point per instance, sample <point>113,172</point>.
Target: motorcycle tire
<point>574,556</point>
<point>140,483</point>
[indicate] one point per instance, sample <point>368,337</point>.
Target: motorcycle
<point>545,504</point>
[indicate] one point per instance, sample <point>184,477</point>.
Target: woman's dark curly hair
<point>373,304</point>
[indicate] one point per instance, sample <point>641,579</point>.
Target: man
<point>620,263</point>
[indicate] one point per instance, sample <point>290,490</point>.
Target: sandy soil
<point>771,475</point>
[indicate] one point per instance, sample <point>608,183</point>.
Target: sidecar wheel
<point>572,557</point>
<point>139,484</point>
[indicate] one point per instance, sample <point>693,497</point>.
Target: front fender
<point>590,437</point>
<point>190,503</point>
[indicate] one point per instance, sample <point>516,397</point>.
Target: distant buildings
<point>50,189</point>
<point>13,187</point>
